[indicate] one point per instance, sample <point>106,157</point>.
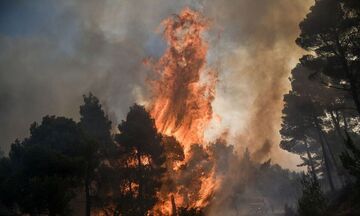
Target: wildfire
<point>181,106</point>
<point>185,90</point>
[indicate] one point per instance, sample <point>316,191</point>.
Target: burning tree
<point>143,159</point>
<point>182,94</point>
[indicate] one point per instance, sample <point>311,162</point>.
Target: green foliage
<point>312,201</point>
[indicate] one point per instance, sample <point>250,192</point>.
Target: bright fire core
<point>181,106</point>
<point>183,95</point>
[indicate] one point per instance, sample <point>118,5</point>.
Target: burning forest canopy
<point>213,127</point>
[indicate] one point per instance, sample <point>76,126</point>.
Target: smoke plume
<point>56,51</point>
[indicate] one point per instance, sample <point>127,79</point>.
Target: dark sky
<point>20,18</point>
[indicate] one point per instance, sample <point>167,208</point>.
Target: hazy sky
<point>52,52</point>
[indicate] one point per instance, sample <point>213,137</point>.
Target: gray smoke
<point>74,47</point>
<point>71,48</point>
<point>64,49</point>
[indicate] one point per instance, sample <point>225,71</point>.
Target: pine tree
<point>44,170</point>
<point>331,32</point>
<point>312,201</point>
<point>145,161</point>
<point>96,127</point>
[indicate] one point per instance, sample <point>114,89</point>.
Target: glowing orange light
<point>181,103</point>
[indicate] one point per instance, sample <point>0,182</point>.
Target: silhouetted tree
<point>351,161</point>
<point>289,211</point>
<point>7,195</point>
<point>98,147</point>
<point>302,126</point>
<point>174,153</point>
<point>144,158</point>
<point>312,201</point>
<point>331,31</point>
<point>43,170</point>
<point>96,124</point>
<point>282,182</point>
<point>297,130</point>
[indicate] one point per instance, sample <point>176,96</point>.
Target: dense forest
<point>93,167</point>
<point>321,112</point>
<point>66,165</point>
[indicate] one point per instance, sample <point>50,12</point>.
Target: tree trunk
<point>338,167</point>
<point>52,213</point>
<point>173,206</point>
<point>345,123</point>
<point>87,193</point>
<point>140,175</point>
<point>87,189</point>
<point>346,173</point>
<point>328,146</point>
<point>335,120</point>
<point>312,166</point>
<point>326,159</point>
<point>129,182</point>
<point>354,93</point>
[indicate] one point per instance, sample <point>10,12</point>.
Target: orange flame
<point>182,97</point>
<point>181,106</point>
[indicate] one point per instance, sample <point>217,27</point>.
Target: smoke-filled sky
<point>52,52</point>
